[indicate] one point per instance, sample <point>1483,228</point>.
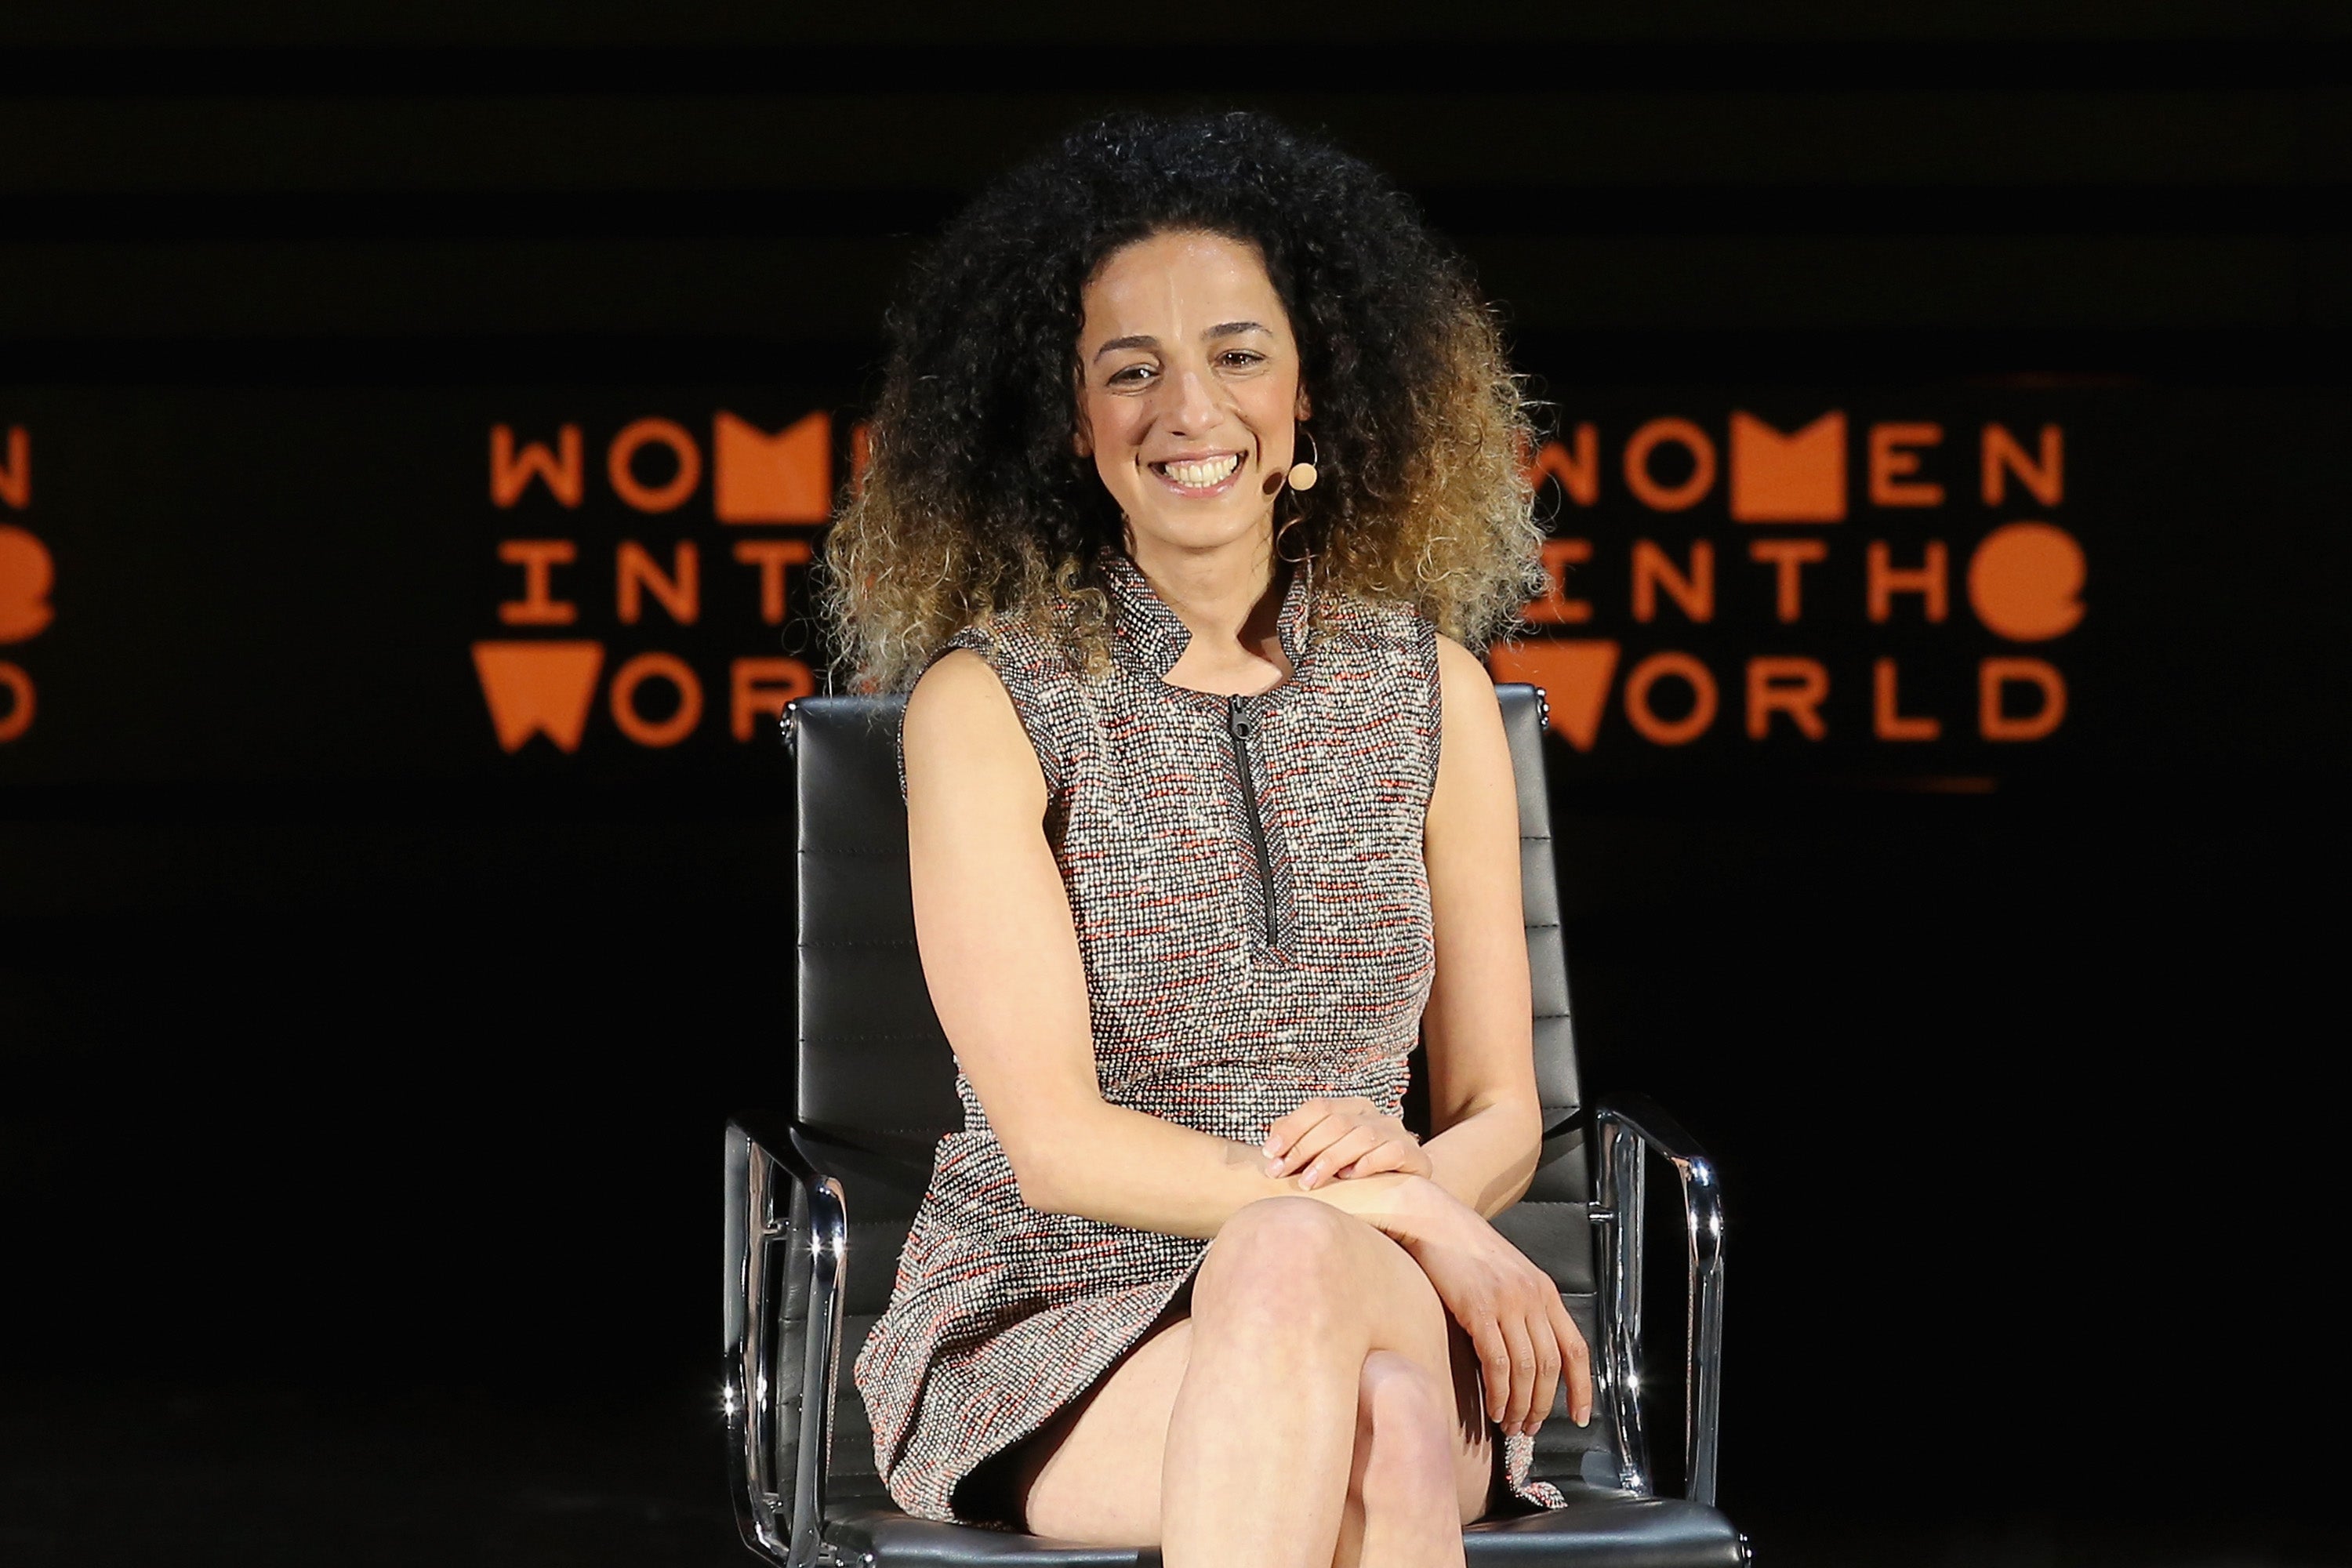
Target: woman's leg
<point>1403,1507</point>
<point>1092,1473</point>
<point>1290,1304</point>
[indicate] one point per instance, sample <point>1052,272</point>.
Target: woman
<point>1209,818</point>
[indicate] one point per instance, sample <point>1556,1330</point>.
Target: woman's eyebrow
<point>1136,341</point>
<point>1145,341</point>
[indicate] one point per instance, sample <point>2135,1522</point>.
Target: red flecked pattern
<point>1001,1315</point>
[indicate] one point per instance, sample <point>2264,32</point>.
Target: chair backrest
<point>874,1072</point>
<point>871,1056</point>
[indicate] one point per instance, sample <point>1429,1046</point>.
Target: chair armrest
<point>1631,1126</point>
<point>768,1165</point>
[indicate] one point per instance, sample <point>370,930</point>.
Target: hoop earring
<point>1302,475</point>
<point>1283,533</point>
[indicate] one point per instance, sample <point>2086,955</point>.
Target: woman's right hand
<point>1511,1310</point>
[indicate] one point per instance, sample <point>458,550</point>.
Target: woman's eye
<point>1242,357</point>
<point>1133,375</point>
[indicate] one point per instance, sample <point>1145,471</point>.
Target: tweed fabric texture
<point>1224,988</point>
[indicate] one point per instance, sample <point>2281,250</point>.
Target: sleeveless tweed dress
<point>1252,907</point>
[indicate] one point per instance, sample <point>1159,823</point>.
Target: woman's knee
<point>1305,1270</point>
<point>1288,1257</point>
<point>1404,1434</point>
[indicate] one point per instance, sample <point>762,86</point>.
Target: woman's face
<point>1189,389</point>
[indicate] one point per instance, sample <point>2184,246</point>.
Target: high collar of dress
<point>1150,637</point>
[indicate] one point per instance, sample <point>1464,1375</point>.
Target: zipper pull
<point>1237,717</point>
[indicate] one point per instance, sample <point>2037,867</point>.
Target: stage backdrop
<point>1943,587</point>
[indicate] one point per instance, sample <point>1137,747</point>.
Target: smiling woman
<point>1192,872</point>
<point>978,500</point>
<point>1189,401</point>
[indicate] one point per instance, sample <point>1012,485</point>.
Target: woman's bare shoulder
<point>1463,684</point>
<point>1456,662</point>
<point>961,719</point>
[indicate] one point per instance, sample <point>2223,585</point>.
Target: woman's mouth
<point>1199,476</point>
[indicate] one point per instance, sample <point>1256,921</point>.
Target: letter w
<point>512,475</point>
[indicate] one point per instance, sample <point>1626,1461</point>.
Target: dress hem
<point>1093,1379</point>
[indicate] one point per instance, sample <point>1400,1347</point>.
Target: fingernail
<point>1584,1418</point>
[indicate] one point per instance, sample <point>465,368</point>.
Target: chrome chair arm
<point>1630,1126</point>
<point>768,1163</point>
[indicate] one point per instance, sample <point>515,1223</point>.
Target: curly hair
<point>974,503</point>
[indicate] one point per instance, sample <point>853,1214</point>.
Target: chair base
<point>1596,1530</point>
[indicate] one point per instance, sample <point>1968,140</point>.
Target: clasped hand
<point>1339,1138</point>
<point>1524,1339</point>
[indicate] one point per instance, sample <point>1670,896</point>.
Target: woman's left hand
<point>1331,1140</point>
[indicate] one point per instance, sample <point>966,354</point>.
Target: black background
<point>360,1123</point>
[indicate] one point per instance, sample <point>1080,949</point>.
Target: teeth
<point>1207,472</point>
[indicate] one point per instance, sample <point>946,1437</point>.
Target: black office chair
<point>819,1199</point>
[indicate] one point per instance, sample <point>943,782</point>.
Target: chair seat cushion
<point>1596,1527</point>
<point>1603,1526</point>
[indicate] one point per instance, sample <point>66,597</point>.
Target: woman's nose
<point>1191,403</point>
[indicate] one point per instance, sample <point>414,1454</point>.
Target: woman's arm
<point>1000,957</point>
<point>1485,1116</point>
<point>1486,1122</point>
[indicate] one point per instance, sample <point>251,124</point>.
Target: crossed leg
<point>1317,1408</point>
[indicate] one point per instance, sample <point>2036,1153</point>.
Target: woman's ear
<point>1305,404</point>
<point>1082,435</point>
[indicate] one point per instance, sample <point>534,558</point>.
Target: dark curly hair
<point>974,503</point>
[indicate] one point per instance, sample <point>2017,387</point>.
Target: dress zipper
<point>1239,725</point>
